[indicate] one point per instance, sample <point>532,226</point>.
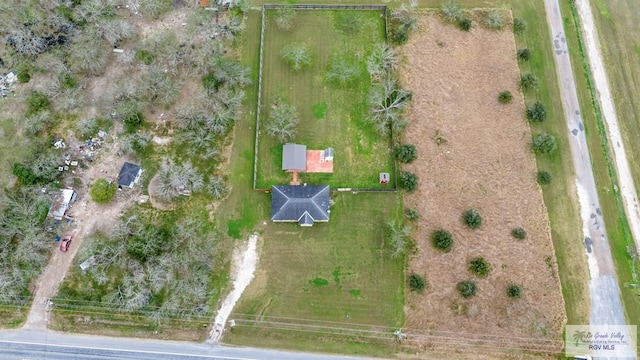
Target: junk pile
<point>6,83</point>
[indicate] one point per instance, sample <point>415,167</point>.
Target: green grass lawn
<point>337,272</point>
<point>619,38</point>
<point>331,115</point>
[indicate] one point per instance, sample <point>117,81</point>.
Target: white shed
<point>327,154</point>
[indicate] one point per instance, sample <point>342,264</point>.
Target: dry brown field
<point>474,153</point>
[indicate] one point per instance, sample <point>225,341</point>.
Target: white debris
<point>87,263</point>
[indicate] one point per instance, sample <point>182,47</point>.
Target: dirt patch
<point>89,217</point>
<point>474,153</point>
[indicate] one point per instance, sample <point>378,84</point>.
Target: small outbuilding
<point>294,157</point>
<point>61,204</point>
<point>384,178</point>
<point>327,155</point>
<point>129,175</point>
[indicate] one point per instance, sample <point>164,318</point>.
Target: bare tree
<point>297,55</point>
<point>52,62</point>
<point>383,59</point>
<point>201,56</point>
<point>405,16</point>
<point>155,8</point>
<point>45,165</point>
<point>398,238</point>
<point>127,59</point>
<point>89,54</point>
<point>451,11</point>
<point>341,72</point>
<point>161,88</point>
<point>229,29</point>
<point>37,122</point>
<point>285,17</point>
<point>283,120</point>
<point>388,102</point>
<point>494,20</point>
<point>114,30</point>
<point>25,248</point>
<point>197,139</point>
<point>92,11</point>
<point>226,97</point>
<point>176,179</point>
<point>122,89</point>
<point>231,72</point>
<point>217,187</point>
<point>133,143</point>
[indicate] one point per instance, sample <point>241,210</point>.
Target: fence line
<point>259,105</point>
<point>343,190</point>
<point>324,7</point>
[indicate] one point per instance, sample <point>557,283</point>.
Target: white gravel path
<point>245,269</point>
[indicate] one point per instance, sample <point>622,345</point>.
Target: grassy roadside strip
<point>563,214</point>
<point>13,316</point>
<point>613,210</point>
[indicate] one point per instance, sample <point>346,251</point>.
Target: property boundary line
<point>384,10</point>
<point>324,7</point>
<point>259,104</point>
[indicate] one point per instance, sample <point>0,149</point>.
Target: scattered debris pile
<point>91,146</point>
<point>6,83</point>
<point>84,151</point>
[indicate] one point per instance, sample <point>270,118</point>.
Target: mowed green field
<point>360,152</point>
<point>336,274</point>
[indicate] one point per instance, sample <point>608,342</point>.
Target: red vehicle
<point>64,244</point>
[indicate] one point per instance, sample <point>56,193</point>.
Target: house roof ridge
<point>313,199</point>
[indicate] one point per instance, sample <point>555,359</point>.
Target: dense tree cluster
<point>149,259</point>
<point>24,241</point>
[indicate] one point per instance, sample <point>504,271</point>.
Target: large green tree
<point>102,191</point>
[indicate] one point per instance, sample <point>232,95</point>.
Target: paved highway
<point>52,345</point>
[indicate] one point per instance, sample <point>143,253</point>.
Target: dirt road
<point>88,216</point>
<point>606,307</point>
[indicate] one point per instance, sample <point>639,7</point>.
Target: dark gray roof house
<point>304,204</point>
<point>294,157</point>
<point>129,175</point>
